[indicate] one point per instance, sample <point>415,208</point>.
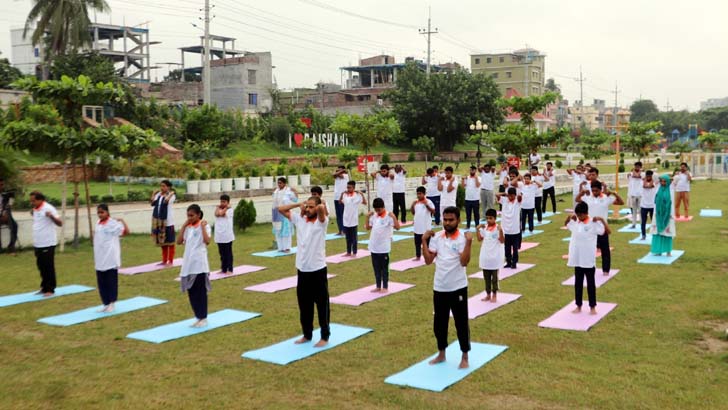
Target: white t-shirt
<point>529,193</point>
<point>224,227</point>
<point>449,198</point>
<point>510,216</point>
<point>534,159</point>
<point>195,257</point>
<point>380,239</point>
<point>384,187</point>
<point>634,186</point>
<point>311,242</point>
<point>486,180</point>
<point>449,273</point>
<point>599,206</point>
<point>552,180</point>
<point>504,178</point>
<point>472,192</point>
<point>681,182</point>
<point>648,197</point>
<point>44,229</point>
<point>107,249</point>
<point>583,244</point>
<point>538,178</point>
<point>431,185</point>
<point>423,217</point>
<point>577,179</point>
<point>492,250</point>
<point>340,185</point>
<point>170,209</point>
<point>398,185</point>
<point>351,209</point>
<point>283,196</point>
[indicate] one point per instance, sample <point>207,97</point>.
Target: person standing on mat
<point>224,234</point>
<point>382,224</point>
<point>511,224</point>
<point>472,197</point>
<point>351,199</point>
<point>487,184</point>
<point>319,193</point>
<point>583,253</point>
<point>313,284</point>
<point>163,220</point>
<point>491,253</point>
<point>448,187</point>
<point>45,221</point>
<point>599,200</point>
<point>634,190</point>
<point>398,189</point>
<point>577,178</point>
<point>450,294</point>
<point>195,272</point>
<point>682,180</point>
<point>529,190</point>
<point>107,255</point>
<point>430,181</point>
<point>341,178</point>
<point>647,202</point>
<point>538,179</point>
<point>282,229</point>
<point>422,210</point>
<point>549,187</point>
<point>663,224</point>
<point>384,179</point>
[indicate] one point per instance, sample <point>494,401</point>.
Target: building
<point>24,56</point>
<point>589,117</point>
<point>620,125</point>
<point>243,83</point>
<point>714,103</point>
<point>221,47</point>
<point>542,120</point>
<point>522,70</point>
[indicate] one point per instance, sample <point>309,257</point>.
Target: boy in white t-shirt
<point>491,253</point>
<point>511,224</point>
<point>634,190</point>
<point>472,197</point>
<point>448,187</point>
<point>549,189</point>
<point>107,255</point>
<point>341,178</point>
<point>431,180</point>
<point>599,199</point>
<point>529,192</point>
<point>351,199</point>
<point>422,211</point>
<point>45,221</point>
<point>682,180</point>
<point>385,185</point>
<point>224,233</point>
<point>538,179</point>
<point>381,223</point>
<point>647,202</point>
<point>487,187</point>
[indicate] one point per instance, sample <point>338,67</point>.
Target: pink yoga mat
<point>684,219</point>
<point>278,285</point>
<point>361,296</point>
<point>599,278</point>
<point>405,264</point>
<point>504,273</point>
<point>476,307</point>
<point>340,258</point>
<point>408,223</point>
<point>527,245</point>
<point>237,271</point>
<point>599,253</point>
<point>564,319</point>
<point>149,267</point>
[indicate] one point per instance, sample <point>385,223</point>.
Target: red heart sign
<point>298,138</point>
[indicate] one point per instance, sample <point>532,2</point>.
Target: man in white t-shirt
<point>45,221</point>
<point>450,250</point>
<point>385,179</point>
<point>511,224</point>
<point>398,197</point>
<point>431,180</point>
<point>351,199</point>
<point>634,190</point>
<point>534,158</point>
<point>647,202</point>
<point>313,284</point>
<point>599,202</point>
<point>382,224</point>
<point>487,186</point>
<point>341,177</point>
<point>472,197</point>
<point>448,187</point>
<point>538,179</point>
<point>682,180</point>
<point>549,189</point>
<point>422,211</point>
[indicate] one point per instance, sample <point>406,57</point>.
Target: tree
<point>176,75</point>
<point>643,110</point>
<point>8,73</point>
<point>425,144</point>
<point>710,141</point>
<point>714,118</point>
<point>552,86</point>
<point>93,65</point>
<point>592,144</point>
<point>640,137</point>
<point>443,105</point>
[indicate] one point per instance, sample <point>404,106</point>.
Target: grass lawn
<point>661,348</point>
<point>54,190</point>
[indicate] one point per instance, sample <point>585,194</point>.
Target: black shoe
<point>513,266</point>
<point>507,266</point>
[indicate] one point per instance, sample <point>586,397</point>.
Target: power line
<point>428,32</point>
<point>360,16</point>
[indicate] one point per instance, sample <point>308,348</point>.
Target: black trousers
<point>108,282</point>
<point>198,296</point>
<point>380,263</point>
<point>418,244</point>
<point>591,287</point>
<point>643,218</point>
<point>399,205</point>
<point>491,280</point>
<point>226,256</point>
<point>603,245</point>
<point>549,192</point>
<point>538,208</point>
<point>45,260</point>
<point>313,289</point>
<point>13,226</point>
<point>527,214</point>
<point>436,201</point>
<point>513,244</point>
<point>339,209</point>
<point>457,303</point>
<point>351,232</point>
<point>472,208</point>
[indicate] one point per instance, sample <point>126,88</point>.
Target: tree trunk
<point>88,201</point>
<point>75,206</point>
<point>64,196</point>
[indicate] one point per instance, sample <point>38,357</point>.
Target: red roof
<point>514,116</point>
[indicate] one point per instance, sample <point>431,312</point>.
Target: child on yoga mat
<point>195,273</point>
<point>583,252</point>
<point>381,223</point>
<point>422,209</point>
<point>491,253</point>
<point>511,223</point>
<point>107,255</point>
<point>351,199</point>
<point>224,234</point>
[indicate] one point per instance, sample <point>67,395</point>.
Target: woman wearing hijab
<point>663,224</point>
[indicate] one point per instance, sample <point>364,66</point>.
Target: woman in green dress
<point>663,224</point>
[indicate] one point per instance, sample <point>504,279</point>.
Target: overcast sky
<point>661,50</point>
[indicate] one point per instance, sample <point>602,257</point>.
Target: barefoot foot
<point>439,358</point>
<point>486,298</point>
<point>302,340</point>
<point>577,310</point>
<point>593,311</point>
<point>464,362</point>
<point>321,343</point>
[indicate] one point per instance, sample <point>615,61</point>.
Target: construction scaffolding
<point>221,47</point>
<point>127,47</point>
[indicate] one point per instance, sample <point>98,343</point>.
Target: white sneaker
<point>110,308</point>
<point>102,309</point>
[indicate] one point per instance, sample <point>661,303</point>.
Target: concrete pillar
<point>183,66</point>
<point>96,38</point>
<point>394,77</point>
<point>371,76</point>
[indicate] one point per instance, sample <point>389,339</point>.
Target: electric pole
<point>429,33</point>
<point>617,147</point>
<point>206,60</point>
<point>581,87</point>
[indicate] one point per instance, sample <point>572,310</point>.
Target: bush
<point>280,170</point>
<point>107,199</point>
<point>558,163</point>
<point>411,157</point>
<point>621,168</point>
<point>621,161</point>
<point>120,198</point>
<point>460,199</point>
<point>94,199</point>
<point>547,157</point>
<point>136,196</point>
<point>658,160</point>
<point>321,177</point>
<point>244,214</point>
<point>666,164</point>
<point>385,158</point>
<point>347,155</point>
<point>280,129</point>
<point>581,161</point>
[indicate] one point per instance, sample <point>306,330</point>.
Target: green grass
<point>645,354</point>
<point>53,190</point>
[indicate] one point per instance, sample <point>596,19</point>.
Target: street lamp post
<point>480,127</point>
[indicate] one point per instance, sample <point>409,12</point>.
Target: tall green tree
<point>640,137</point>
<point>592,145</point>
<point>93,65</point>
<point>643,110</point>
<point>8,73</point>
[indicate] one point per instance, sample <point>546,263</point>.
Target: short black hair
<point>684,163</point>
<point>581,208</point>
<point>167,182</point>
<point>549,163</point>
<point>449,168</point>
<point>384,167</point>
<point>103,207</point>
<point>196,209</point>
<point>351,182</point>
<point>512,191</point>
<point>283,179</point>
<point>638,163</point>
<point>38,195</point>
<point>452,210</point>
<point>421,189</point>
<point>429,171</point>
<point>378,203</point>
<point>597,185</point>
<point>649,173</point>
<point>340,166</point>
<point>317,190</point>
<point>225,197</point>
<point>435,167</point>
<point>534,167</point>
<point>594,170</point>
<point>491,212</point>
<point>473,167</point>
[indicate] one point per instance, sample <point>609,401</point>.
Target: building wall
<point>23,56</point>
<point>714,103</point>
<point>8,97</point>
<point>511,71</point>
<point>231,83</point>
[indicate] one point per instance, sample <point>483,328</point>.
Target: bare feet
<point>577,310</point>
<point>493,299</point>
<point>47,294</point>
<point>439,358</point>
<point>102,309</point>
<point>200,323</point>
<point>286,250</point>
<point>321,343</point>
<point>375,290</point>
<point>464,361</point>
<point>606,273</point>
<point>416,259</point>
<point>110,308</point>
<point>346,255</point>
<point>302,340</point>
<point>486,298</point>
<point>669,254</point>
<point>592,311</point>
<point>384,290</point>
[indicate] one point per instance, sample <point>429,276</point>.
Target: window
<point>488,60</point>
<point>477,61</point>
<point>253,99</point>
<point>364,97</point>
<point>535,90</point>
<point>501,59</point>
<point>495,75</point>
<point>509,74</point>
<point>251,76</point>
<point>349,97</point>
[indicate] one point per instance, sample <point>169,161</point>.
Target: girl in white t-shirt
<point>195,272</point>
<point>682,180</point>
<point>422,209</point>
<point>224,234</point>
<point>382,223</point>
<point>107,255</point>
<point>491,253</point>
<point>351,199</point>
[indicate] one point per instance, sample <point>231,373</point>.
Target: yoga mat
<point>406,264</point>
<point>599,278</point>
<point>599,253</point>
<point>661,260</point>
<point>504,273</point>
<point>711,213</point>
<point>275,254</point>
<point>628,228</point>
<point>89,314</point>
<point>10,300</point>
<point>564,228</point>
<point>177,330</point>
<point>583,321</point>
<point>527,245</point>
<point>569,210</point>
<point>333,236</point>
<point>408,223</point>
<point>543,222</point>
<point>638,240</point>
<point>278,285</point>
<point>684,218</point>
<point>567,239</point>
<point>477,307</point>
<point>395,238</point>
<point>625,211</point>
<point>409,229</point>
<point>340,258</point>
<point>149,267</point>
<point>287,352</point>
<point>439,377</point>
<point>361,296</point>
<point>526,234</point>
<point>550,214</point>
<point>237,271</point>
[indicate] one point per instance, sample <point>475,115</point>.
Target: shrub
<point>321,177</point>
<point>244,214</point>
<point>107,198</point>
<point>411,157</point>
<point>120,198</point>
<point>279,130</point>
<point>293,170</point>
<point>385,158</point>
<point>658,160</point>
<point>621,168</point>
<point>136,196</point>
<point>305,169</point>
<point>621,161</point>
<point>460,199</point>
<point>558,163</point>
<point>94,199</point>
<point>581,161</point>
<point>239,172</point>
<point>347,155</point>
<point>666,164</point>
<point>226,172</point>
<point>280,170</point>
<point>192,175</point>
<point>254,172</point>
<point>204,176</point>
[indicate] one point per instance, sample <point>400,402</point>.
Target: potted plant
<point>239,179</point>
<point>292,176</point>
<point>227,180</point>
<point>305,175</point>
<point>204,183</point>
<point>268,180</point>
<point>215,183</point>
<point>254,179</point>
<point>193,185</point>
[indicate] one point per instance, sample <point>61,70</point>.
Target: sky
<point>668,51</point>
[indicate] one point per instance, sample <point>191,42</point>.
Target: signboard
<point>360,163</point>
<point>514,162</point>
<point>325,139</point>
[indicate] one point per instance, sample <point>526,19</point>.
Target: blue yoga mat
<point>527,234</point>
<point>333,236</point>
<point>86,315</point>
<point>10,300</point>
<point>629,229</point>
<point>550,214</point>
<point>543,222</point>
<point>275,254</point>
<point>625,211</point>
<point>395,238</point>
<point>711,213</point>
<point>177,330</point>
<point>407,229</point>
<point>638,240</point>
<point>567,239</point>
<point>439,377</point>
<point>661,260</point>
<point>287,352</point>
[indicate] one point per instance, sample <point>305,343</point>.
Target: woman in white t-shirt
<point>224,234</point>
<point>195,272</point>
<point>107,255</point>
<point>381,223</point>
<point>682,180</point>
<point>492,252</point>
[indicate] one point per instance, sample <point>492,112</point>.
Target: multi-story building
<point>714,103</point>
<point>243,83</point>
<point>522,70</point>
<point>622,122</point>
